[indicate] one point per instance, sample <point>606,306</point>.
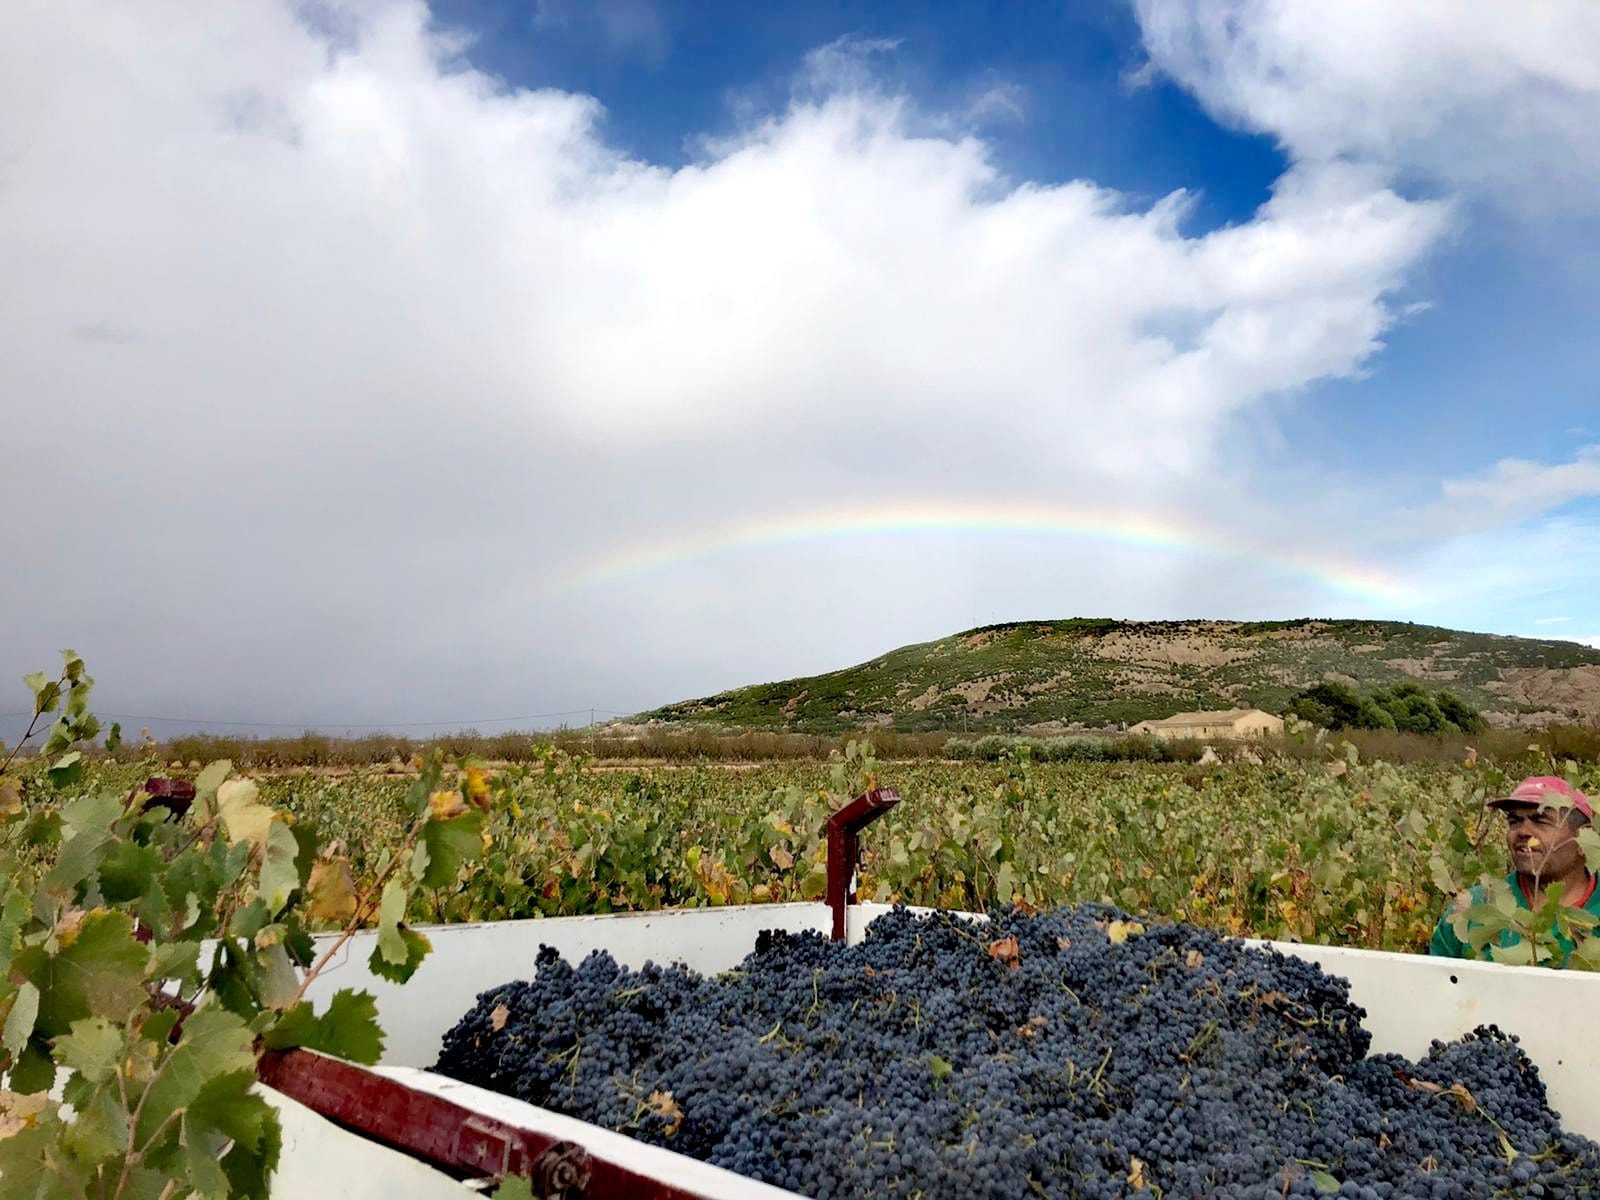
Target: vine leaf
<point>1121,931</point>
<point>19,1021</point>
<point>215,1043</point>
<point>349,1028</point>
<point>451,842</point>
<point>99,972</point>
<point>331,891</point>
<point>243,815</point>
<point>391,910</point>
<point>92,1049</point>
<point>417,948</point>
<point>279,876</point>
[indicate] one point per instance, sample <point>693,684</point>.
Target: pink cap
<point>1547,789</point>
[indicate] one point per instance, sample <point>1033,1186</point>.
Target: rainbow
<point>1121,528</point>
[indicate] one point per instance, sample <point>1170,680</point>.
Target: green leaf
<point>99,1127</point>
<point>228,1104</point>
<point>391,911</point>
<point>417,947</point>
<point>66,770</point>
<point>60,738</point>
<point>91,814</point>
<point>202,1159</point>
<point>1325,1183</point>
<point>939,1068</point>
<point>209,780</point>
<point>451,844</point>
<point>128,871</point>
<point>226,1110</point>
<point>33,1071</point>
<point>513,1187</point>
<point>92,1049</point>
<point>279,876</point>
<point>100,972</point>
<point>1517,954</point>
<point>114,737</point>
<point>309,843</point>
<point>250,920</point>
<point>32,1165</point>
<point>250,1168</point>
<point>174,961</point>
<point>19,1021</point>
<point>1589,840</point>
<point>348,1029</point>
<point>214,1042</point>
<point>157,1027</point>
<point>814,883</point>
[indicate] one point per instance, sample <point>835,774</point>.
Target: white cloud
<point>1516,488</point>
<point>1498,99</point>
<point>330,350</point>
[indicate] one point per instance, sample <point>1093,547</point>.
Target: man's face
<point>1541,840</point>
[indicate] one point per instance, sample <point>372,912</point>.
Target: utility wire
<point>309,725</point>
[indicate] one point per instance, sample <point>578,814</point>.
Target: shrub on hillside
<point>1403,708</point>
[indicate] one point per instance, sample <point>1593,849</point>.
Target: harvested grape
<point>1073,1054</point>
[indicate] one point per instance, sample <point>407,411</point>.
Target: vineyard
<point>157,949</point>
<point>1342,852</point>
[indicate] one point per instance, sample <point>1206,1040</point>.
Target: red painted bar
<point>450,1136</point>
<point>844,847</point>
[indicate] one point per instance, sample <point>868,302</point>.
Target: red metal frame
<point>844,848</point>
<point>451,1136</point>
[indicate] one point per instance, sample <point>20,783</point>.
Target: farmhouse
<point>1230,723</point>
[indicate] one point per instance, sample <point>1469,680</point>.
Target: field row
<point>1344,852</point>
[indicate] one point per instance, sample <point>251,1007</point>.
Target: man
<point>1544,815</point>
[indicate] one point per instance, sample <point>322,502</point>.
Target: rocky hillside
<point>1053,676</point>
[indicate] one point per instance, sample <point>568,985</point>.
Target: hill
<point>1052,676</point>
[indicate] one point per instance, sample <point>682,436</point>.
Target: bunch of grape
<point>1073,1054</point>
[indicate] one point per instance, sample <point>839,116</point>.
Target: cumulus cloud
<point>1501,100</point>
<point>329,351</point>
<point>1508,493</point>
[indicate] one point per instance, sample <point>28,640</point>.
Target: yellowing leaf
<point>781,857</point>
<point>10,797</point>
<point>1136,1177</point>
<point>243,815</point>
<point>331,891</point>
<point>1006,952</point>
<point>444,806</point>
<point>497,1018</point>
<point>1121,931</point>
<point>664,1106</point>
<point>21,1112</point>
<point>478,787</point>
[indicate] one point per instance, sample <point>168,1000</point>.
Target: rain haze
<point>379,363</point>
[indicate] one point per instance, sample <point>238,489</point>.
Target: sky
<point>378,363</point>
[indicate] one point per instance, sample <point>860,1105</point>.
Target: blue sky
<point>669,74</point>
<point>435,361</point>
